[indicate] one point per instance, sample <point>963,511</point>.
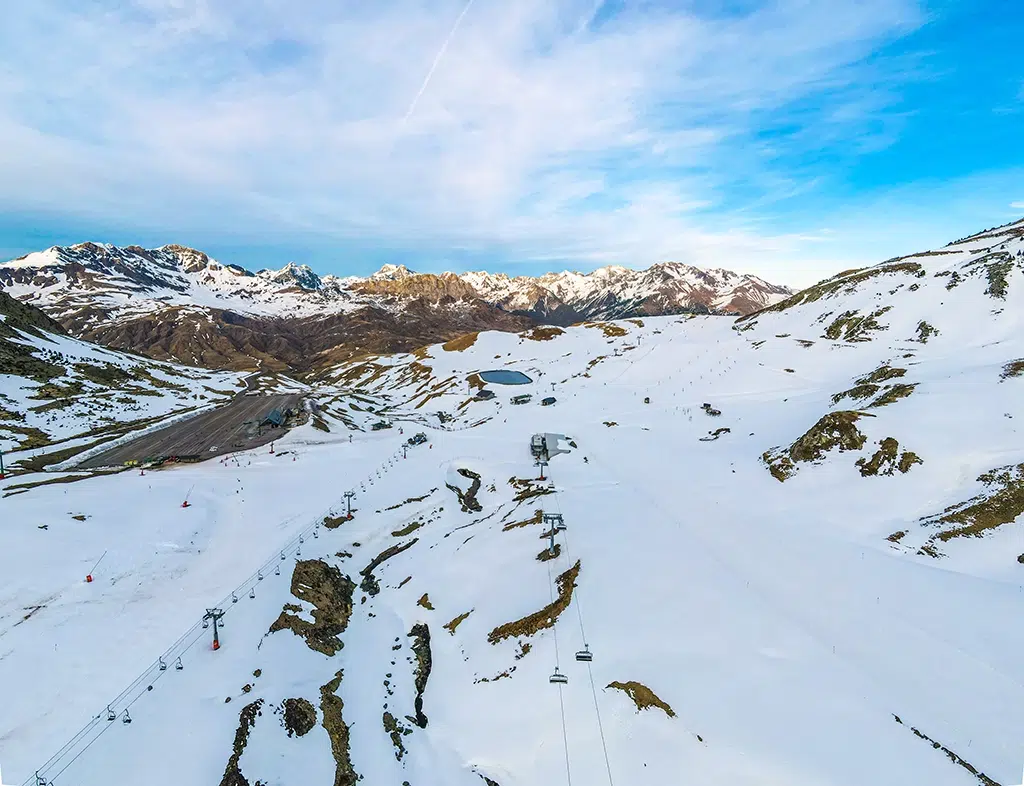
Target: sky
<point>785,138</point>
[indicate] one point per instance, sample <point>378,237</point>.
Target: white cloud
<point>538,135</point>
<point>1017,205</point>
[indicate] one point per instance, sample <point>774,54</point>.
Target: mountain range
<point>177,303</point>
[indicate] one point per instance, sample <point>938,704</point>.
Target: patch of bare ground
<point>330,593</point>
<point>467,499</point>
<point>475,382</point>
<point>333,522</point>
<point>401,532</point>
<point>420,635</point>
<point>454,624</point>
<point>887,459</point>
<point>246,720</point>
<point>610,423</point>
<point>298,717</point>
<point>331,706</point>
<point>411,500</point>
<point>547,554</point>
<point>369,584</point>
<point>1015,368</point>
<point>545,617</point>
<point>609,329</point>
<point>536,518</point>
<point>1000,503</point>
<point>542,333</point>
<point>897,536</point>
<point>853,326</point>
<point>834,431</point>
<point>982,777</point>
<point>526,488</point>
<point>395,730</point>
<point>642,696</point>
<point>424,601</point>
<point>460,343</point>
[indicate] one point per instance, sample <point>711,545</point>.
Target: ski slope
<point>795,639</point>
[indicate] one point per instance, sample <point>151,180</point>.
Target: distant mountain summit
<point>175,302</point>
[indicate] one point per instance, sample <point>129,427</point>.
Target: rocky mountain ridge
<point>178,303</point>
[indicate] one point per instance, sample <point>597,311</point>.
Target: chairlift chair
<point>252,592</point>
<point>585,655</point>
<point>301,540</point>
<point>163,664</point>
<point>178,666</point>
<point>316,533</point>
<point>259,575</point>
<point>282,556</point>
<point>206,624</point>
<point>127,718</point>
<point>277,570</point>
<point>234,598</point>
<point>110,714</point>
<point>558,678</point>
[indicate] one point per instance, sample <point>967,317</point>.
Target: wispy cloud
<point>551,129</point>
<point>1017,205</point>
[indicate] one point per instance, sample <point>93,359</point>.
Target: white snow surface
<point>775,618</point>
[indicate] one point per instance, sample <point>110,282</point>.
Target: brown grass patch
<point>246,720</point>
<point>424,601</point>
<point>451,626</point>
<point>1000,503</point>
<point>461,343</point>
<point>536,518</point>
<point>369,584</point>
<point>337,730</point>
<point>542,333</point>
<point>545,617</point>
<point>609,329</point>
<point>643,697</point>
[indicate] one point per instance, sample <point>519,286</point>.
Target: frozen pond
<point>505,377</point>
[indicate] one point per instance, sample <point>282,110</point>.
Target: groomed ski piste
<point>761,609</point>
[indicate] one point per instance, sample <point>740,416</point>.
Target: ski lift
<point>301,541</point>
<point>163,664</point>
<point>178,665</point>
<point>206,624</point>
<point>561,526</point>
<point>127,718</point>
<point>259,575</point>
<point>282,556</point>
<point>234,598</point>
<point>110,714</point>
<point>277,570</point>
<point>585,655</point>
<point>316,533</point>
<point>298,551</point>
<point>558,678</point>
<point>252,592</point>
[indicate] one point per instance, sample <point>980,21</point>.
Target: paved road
<point>222,430</point>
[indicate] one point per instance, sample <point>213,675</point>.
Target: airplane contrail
<point>437,59</point>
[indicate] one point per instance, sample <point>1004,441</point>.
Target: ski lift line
<point>590,670</point>
<point>149,676</point>
<point>565,738</point>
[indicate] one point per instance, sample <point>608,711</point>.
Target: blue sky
<point>785,138</point>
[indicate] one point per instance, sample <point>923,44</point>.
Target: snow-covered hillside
<point>813,580</point>
<point>60,396</point>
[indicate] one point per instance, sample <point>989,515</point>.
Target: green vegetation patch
<point>330,593</point>
<point>642,696</point>
<point>1001,502</point>
<point>299,717</point>
<point>545,617</point>
<point>395,730</point>
<point>246,720</point>
<point>925,331</point>
<point>1015,368</point>
<point>332,707</point>
<point>834,431</point>
<point>852,326</point>
<point>892,394</point>
<point>846,281</point>
<point>420,635</point>
<point>887,459</point>
<point>408,529</point>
